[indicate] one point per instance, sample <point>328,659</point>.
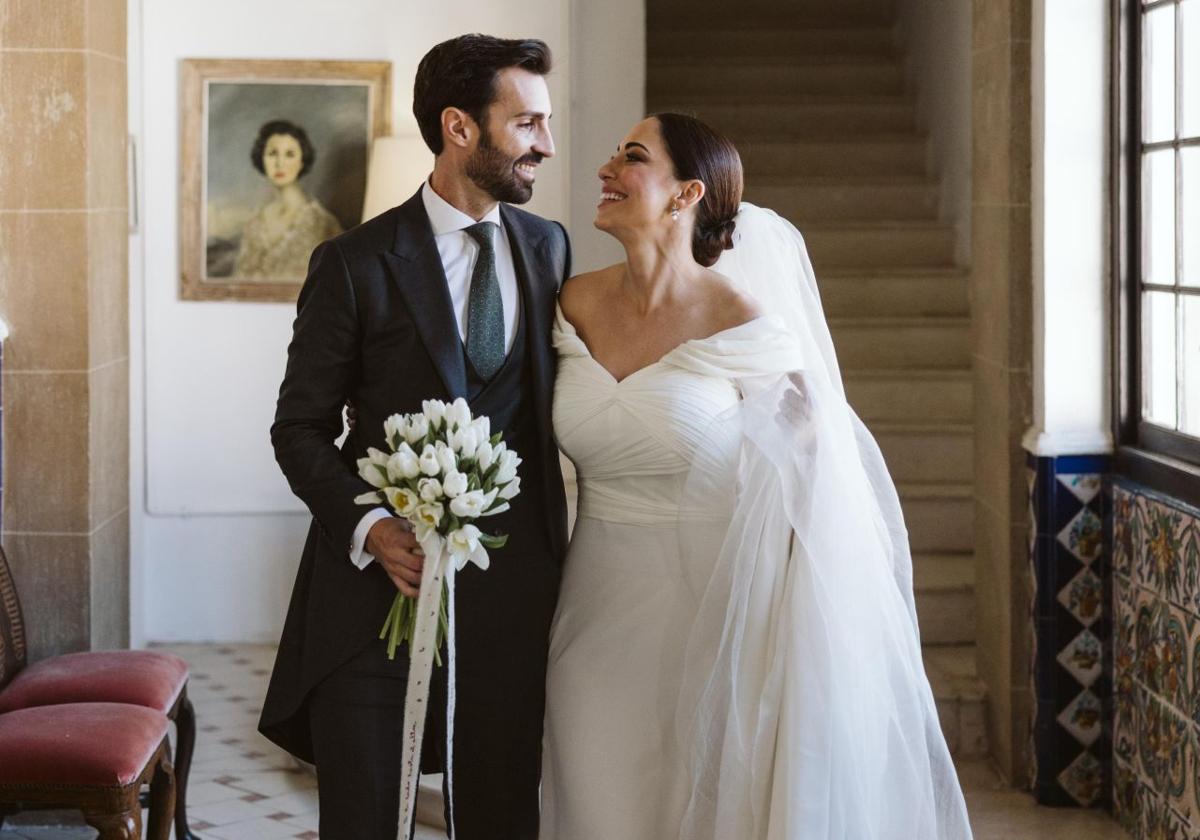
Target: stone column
<point>64,293</point>
<point>1001,299</point>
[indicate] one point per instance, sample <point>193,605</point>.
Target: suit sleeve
<point>323,363</point>
<point>567,255</point>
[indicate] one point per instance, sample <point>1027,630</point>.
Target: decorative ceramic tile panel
<point>1155,599</point>
<point>1072,744</point>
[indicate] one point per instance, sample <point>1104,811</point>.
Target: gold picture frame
<point>246,232</point>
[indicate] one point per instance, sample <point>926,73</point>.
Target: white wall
<point>1071,191</point>
<point>608,95</point>
<point>936,38</point>
<point>216,533</point>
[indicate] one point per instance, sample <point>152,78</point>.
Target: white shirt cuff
<point>359,556</point>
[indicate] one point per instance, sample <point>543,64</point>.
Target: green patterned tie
<point>485,308</point>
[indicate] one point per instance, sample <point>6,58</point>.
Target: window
<point>1157,164</point>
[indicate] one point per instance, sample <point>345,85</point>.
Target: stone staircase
<point>814,96</point>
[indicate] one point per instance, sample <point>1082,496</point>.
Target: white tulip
<point>429,460</point>
<point>458,414</point>
<point>428,516</point>
<point>511,489</point>
<point>430,489</point>
<point>416,428</point>
<point>454,484</point>
<point>373,468</point>
<point>372,498</point>
<point>435,412</point>
<point>472,505</point>
<point>464,547</point>
<point>445,458</point>
<point>482,426</point>
<point>483,455</point>
<point>508,462</point>
<point>464,441</point>
<point>393,429</point>
<point>403,464</point>
<point>402,500</point>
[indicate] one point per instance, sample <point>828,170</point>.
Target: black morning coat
<point>375,326</point>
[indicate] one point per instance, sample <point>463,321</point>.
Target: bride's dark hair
<point>701,154</point>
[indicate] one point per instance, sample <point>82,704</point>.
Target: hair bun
<point>709,241</point>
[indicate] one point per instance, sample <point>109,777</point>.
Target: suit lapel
<point>531,263</point>
<point>417,270</point>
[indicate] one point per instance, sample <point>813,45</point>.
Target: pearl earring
<point>674,212</point>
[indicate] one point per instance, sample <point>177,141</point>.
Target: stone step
<point>944,585</point>
<point>851,157</point>
<point>865,76</point>
<point>911,395</point>
<point>940,516</point>
<point>795,116</point>
<point>876,245</point>
<point>922,452</point>
<point>961,698</point>
<point>765,41</point>
<point>834,198</point>
<point>903,292</point>
<point>907,343</point>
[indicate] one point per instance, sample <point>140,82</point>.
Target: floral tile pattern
<point>1072,738</point>
<point>1155,664</point>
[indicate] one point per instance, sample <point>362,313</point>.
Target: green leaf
<point>490,541</point>
<point>496,438</point>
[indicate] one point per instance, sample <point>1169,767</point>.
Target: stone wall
<point>64,294</point>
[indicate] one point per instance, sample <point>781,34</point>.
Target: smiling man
<point>451,294</point>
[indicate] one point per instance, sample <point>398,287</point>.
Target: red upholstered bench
<point>156,681</point>
<point>90,756</point>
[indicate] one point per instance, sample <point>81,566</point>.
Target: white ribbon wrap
<point>438,568</point>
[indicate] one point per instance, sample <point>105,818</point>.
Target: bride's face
<point>638,183</point>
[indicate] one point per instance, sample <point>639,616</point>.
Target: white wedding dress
<point>735,654</point>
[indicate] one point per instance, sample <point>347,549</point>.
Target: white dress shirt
<point>458,252</point>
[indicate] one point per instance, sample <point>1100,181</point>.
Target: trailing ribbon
<point>438,568</point>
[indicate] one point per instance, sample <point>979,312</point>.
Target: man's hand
<point>395,547</point>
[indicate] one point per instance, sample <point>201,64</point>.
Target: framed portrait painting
<point>273,162</point>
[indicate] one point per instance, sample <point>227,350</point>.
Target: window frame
<point>1162,459</point>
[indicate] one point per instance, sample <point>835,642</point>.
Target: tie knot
<point>481,232</point>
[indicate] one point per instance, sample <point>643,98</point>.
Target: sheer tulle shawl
<point>804,706</point>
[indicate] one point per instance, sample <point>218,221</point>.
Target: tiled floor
<point>245,788</point>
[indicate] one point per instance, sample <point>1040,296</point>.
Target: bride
<point>735,654</point>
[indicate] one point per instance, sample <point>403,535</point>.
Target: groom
<point>449,295</point>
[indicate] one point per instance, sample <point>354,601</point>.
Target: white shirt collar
<point>444,217</point>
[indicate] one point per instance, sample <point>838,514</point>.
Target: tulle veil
<point>805,710</point>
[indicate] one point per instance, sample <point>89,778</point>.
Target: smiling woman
<point>280,236</point>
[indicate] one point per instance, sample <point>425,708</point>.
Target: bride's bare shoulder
<point>731,306</point>
<point>581,293</point>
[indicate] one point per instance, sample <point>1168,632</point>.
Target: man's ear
<point>458,127</point>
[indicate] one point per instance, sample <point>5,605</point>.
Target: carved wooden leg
<point>162,800</point>
<point>123,826</point>
<point>185,727</point>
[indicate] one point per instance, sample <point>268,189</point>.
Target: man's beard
<point>495,173</point>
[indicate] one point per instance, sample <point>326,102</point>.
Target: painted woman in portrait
<point>280,236</point>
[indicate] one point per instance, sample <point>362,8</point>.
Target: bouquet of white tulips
<point>445,470</point>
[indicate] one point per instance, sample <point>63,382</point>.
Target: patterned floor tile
<point>233,762</point>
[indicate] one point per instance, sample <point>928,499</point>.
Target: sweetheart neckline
<point>588,351</point>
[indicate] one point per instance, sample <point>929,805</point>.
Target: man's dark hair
<point>461,73</point>
<point>308,154</point>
